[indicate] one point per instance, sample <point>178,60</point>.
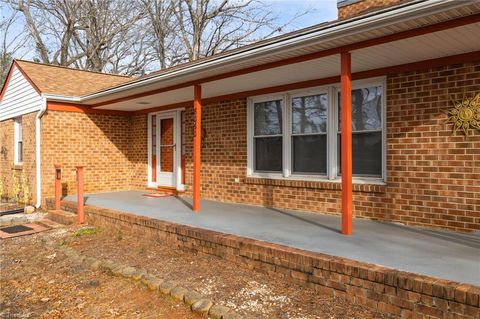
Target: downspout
<point>38,157</point>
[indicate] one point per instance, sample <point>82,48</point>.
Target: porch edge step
<point>62,217</point>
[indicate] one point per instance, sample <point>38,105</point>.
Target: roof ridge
<point>73,69</point>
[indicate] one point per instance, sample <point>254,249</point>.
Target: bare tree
<point>105,25</point>
<point>209,27</point>
<point>10,44</point>
<point>87,34</point>
<point>161,19</point>
<point>131,37</point>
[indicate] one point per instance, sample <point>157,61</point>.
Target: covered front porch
<point>446,255</point>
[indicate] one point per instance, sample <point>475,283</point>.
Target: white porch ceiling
<point>444,43</point>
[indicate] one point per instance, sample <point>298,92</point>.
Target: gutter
<point>62,98</point>
<point>343,28</point>
<point>38,157</point>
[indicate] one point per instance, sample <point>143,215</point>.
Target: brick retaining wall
<point>387,290</point>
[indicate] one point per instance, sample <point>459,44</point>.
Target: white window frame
<point>332,130</point>
<point>17,137</point>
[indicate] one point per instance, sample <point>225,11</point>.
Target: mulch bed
<point>250,293</point>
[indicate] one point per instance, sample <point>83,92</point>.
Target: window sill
<point>359,184</point>
<point>18,166</point>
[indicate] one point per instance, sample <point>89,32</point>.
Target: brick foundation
<point>400,293</point>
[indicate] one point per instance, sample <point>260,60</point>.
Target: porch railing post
<point>80,196</point>
<point>346,141</point>
<point>197,145</point>
<point>58,186</point>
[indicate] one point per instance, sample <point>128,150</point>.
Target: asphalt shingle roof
<point>58,80</point>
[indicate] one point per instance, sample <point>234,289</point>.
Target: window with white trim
<point>297,134</point>
<point>18,141</point>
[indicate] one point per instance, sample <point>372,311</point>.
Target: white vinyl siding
<point>20,97</point>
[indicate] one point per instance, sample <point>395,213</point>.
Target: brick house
<point>262,124</point>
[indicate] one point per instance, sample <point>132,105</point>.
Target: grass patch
<point>86,231</point>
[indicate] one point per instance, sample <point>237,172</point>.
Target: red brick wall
<point>432,177</point>
<point>138,153</point>
<point>7,160</point>
<point>363,6</point>
<point>99,142</point>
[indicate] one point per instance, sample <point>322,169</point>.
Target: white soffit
<point>429,46</point>
<point>166,98</point>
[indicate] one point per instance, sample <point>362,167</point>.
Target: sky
<point>318,11</point>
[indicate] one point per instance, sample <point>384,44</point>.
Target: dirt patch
<point>250,293</point>
<point>38,281</point>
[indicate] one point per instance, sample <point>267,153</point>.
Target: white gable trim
<point>20,96</point>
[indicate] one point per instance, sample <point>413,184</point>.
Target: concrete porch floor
<point>440,254</point>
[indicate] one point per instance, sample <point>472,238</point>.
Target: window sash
<point>254,137</point>
<point>256,163</point>
<point>303,172</point>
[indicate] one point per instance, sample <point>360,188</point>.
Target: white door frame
<point>177,165</point>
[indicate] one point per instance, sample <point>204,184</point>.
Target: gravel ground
<point>250,293</point>
<point>38,281</point>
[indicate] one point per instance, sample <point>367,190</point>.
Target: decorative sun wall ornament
<point>464,115</point>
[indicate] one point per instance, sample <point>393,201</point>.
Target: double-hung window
<point>268,135</point>
<point>18,141</point>
<point>298,134</point>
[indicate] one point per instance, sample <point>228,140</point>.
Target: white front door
<point>166,150</point>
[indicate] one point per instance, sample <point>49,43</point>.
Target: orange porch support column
<point>346,116</point>
<point>80,196</point>
<point>58,186</point>
<point>197,146</point>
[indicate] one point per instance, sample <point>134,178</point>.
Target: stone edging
<point>194,300</point>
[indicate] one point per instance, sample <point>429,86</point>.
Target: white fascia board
<point>62,98</point>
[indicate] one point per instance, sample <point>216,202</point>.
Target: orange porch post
<point>197,146</point>
<point>58,186</point>
<point>346,116</point>
<point>80,197</point>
